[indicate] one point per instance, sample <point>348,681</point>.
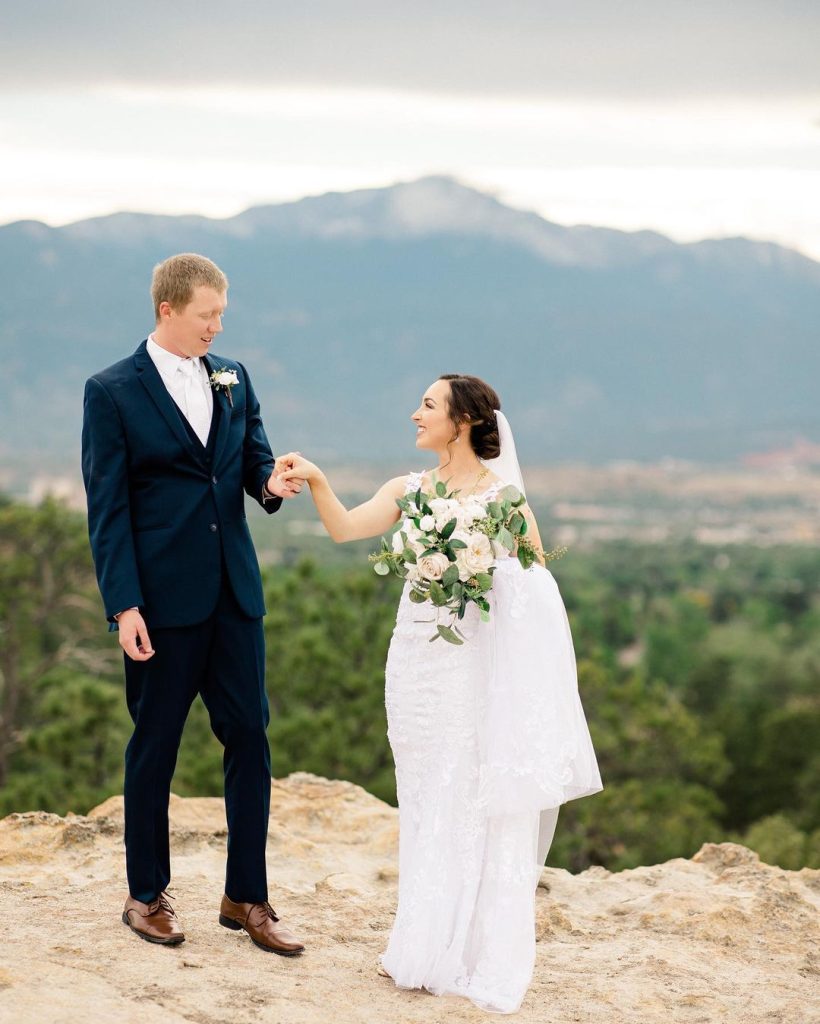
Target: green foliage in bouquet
<point>452,565</point>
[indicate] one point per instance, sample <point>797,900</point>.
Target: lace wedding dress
<point>489,739</point>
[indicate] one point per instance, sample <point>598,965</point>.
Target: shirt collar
<point>166,362</point>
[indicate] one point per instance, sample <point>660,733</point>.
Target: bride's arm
<point>532,532</point>
<point>369,519</point>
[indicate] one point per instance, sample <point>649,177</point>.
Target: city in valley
<point>764,500</point>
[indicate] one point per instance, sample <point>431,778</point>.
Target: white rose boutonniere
<point>224,379</point>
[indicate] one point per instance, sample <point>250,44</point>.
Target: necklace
<point>479,478</point>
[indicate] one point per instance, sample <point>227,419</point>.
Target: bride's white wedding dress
<point>489,739</point>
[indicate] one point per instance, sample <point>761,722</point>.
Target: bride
<point>489,738</point>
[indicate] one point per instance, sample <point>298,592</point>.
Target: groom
<point>172,436</point>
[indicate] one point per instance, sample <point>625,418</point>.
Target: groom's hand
<point>133,636</point>
<point>282,488</point>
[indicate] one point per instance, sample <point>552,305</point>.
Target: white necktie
<point>196,404</point>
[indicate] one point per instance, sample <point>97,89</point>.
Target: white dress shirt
<point>193,396</point>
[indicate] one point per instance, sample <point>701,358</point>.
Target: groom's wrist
<point>116,617</point>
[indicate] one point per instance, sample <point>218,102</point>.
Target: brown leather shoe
<point>260,922</point>
<point>154,922</point>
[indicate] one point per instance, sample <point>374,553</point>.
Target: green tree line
<point>698,669</point>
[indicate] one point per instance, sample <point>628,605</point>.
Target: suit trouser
<point>223,659</point>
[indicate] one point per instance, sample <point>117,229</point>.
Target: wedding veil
<point>538,752</point>
<point>506,466</point>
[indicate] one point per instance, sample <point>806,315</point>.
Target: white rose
<point>444,509</point>
<point>415,539</point>
<point>427,523</point>
<point>227,377</point>
<point>432,567</point>
<point>398,543</point>
<point>472,510</point>
<point>476,557</point>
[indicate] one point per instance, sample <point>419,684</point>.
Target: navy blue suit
<point>168,534</point>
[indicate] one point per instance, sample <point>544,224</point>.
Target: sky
<point>691,118</point>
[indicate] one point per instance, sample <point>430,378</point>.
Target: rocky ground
<point>718,938</point>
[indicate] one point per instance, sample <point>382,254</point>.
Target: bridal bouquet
<point>446,547</point>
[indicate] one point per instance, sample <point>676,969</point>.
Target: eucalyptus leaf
<point>447,634</point>
<point>437,595</point>
<point>450,576</point>
<point>505,538</point>
<point>512,494</point>
<point>441,490</point>
<point>409,555</point>
<point>457,544</point>
<point>495,510</point>
<point>448,529</point>
<point>485,580</point>
<point>417,597</point>
<point>526,556</point>
<point>382,569</point>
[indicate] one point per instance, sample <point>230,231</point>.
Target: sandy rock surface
<point>718,938</point>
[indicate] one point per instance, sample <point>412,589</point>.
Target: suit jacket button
<point>213,527</point>
<point>213,479</point>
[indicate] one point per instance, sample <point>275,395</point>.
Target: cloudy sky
<point>696,119</point>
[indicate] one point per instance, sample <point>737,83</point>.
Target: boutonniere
<point>223,380</point>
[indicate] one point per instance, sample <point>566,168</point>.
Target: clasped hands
<point>290,473</point>
<point>279,484</point>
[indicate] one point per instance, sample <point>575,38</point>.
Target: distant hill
<point>603,344</point>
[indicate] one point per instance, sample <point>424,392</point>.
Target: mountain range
<point>603,344</point>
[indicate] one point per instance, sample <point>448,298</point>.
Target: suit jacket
<point>163,519</point>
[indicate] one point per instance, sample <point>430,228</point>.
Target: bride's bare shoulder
<point>400,485</point>
<point>396,486</point>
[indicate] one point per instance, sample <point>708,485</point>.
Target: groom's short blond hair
<point>174,279</point>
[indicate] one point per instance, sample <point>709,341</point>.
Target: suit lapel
<point>153,384</point>
<point>222,410</point>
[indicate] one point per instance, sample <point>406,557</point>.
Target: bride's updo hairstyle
<point>473,401</point>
